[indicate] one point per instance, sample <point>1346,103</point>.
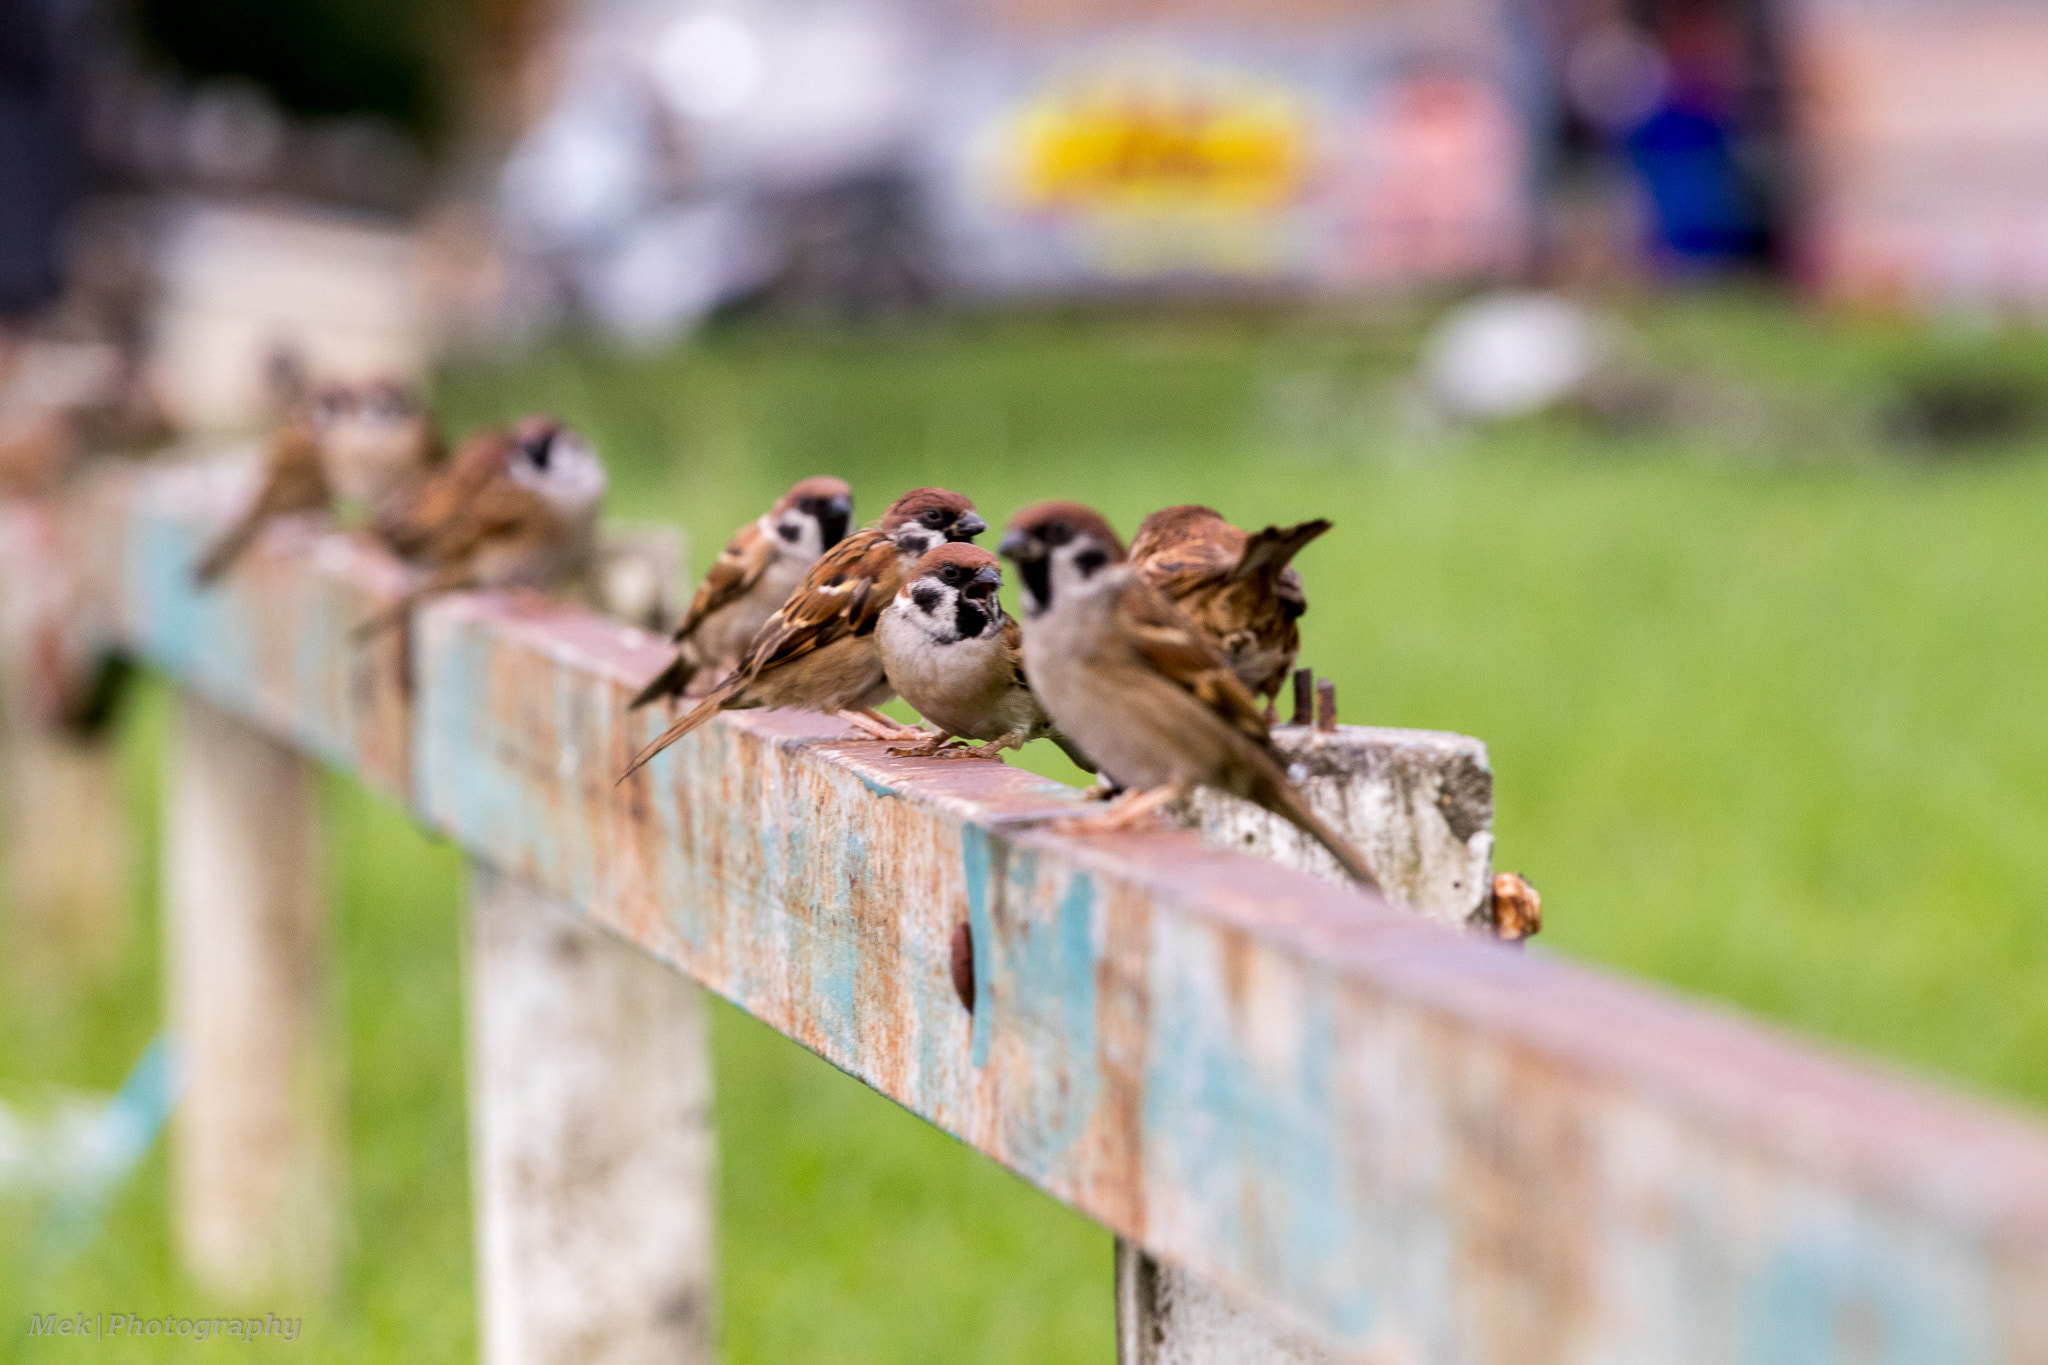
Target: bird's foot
<point>937,746</point>
<point>1129,810</point>
<point>880,726</point>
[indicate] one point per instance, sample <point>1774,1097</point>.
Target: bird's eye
<point>933,516</point>
<point>950,574</point>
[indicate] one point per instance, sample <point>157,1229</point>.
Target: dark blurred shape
<point>1674,107</point>
<point>855,249</point>
<point>1954,407</point>
<point>315,58</point>
<point>39,163</point>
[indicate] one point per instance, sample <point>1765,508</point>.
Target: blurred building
<point>1922,128</point>
<point>858,154</point>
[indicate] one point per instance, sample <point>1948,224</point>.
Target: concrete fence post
<point>255,1158</point>
<point>592,1149</point>
<point>1419,806</point>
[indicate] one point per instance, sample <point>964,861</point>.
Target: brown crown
<point>1058,522</point>
<point>969,557</point>
<point>917,501</point>
<point>823,486</point>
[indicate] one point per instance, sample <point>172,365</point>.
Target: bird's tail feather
<point>444,580</point>
<point>695,717</point>
<point>670,682</point>
<point>233,543</point>
<point>1272,549</point>
<point>1290,804</point>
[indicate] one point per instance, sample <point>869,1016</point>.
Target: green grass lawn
<point>1762,698</point>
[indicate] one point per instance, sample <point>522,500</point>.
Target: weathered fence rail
<point>1402,1142</point>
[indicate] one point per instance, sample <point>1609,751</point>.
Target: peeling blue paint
<point>1841,1300</point>
<point>1043,996</point>
<point>1264,1132</point>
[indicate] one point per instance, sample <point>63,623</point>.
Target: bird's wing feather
<point>412,524</point>
<point>499,510</point>
<point>1267,554</point>
<point>1175,649</point>
<point>738,568</point>
<point>1013,647</point>
<point>842,596</point>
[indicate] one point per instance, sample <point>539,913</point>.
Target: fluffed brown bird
<point>756,572</point>
<point>516,509</point>
<point>1237,589</point>
<point>1135,683</point>
<point>950,651</point>
<point>818,652</point>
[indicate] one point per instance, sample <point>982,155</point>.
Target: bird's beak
<point>968,526</point>
<point>1020,546</point>
<point>984,584</point>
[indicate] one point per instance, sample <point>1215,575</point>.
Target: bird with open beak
<point>951,651</point>
<point>818,652</point>
<point>756,572</point>
<point>1132,681</point>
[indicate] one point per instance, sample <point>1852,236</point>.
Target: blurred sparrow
<point>818,651</point>
<point>1132,681</point>
<point>358,445</point>
<point>1237,589</point>
<point>949,651</point>
<point>293,481</point>
<point>755,573</point>
<point>376,441</point>
<point>516,509</point>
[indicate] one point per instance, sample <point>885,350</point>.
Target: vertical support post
<point>592,1149</point>
<point>67,844</point>
<point>255,1150</point>
<point>1419,806</point>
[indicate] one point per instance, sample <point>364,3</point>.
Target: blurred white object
<point>1508,355</point>
<point>671,268</point>
<point>708,65</point>
<point>659,182</point>
<point>239,285</point>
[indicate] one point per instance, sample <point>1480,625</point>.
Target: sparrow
<point>818,651</point>
<point>377,441</point>
<point>293,481</point>
<point>1134,682</point>
<point>515,509</point>
<point>1237,589</point>
<point>754,574</point>
<point>950,651</point>
<point>354,445</point>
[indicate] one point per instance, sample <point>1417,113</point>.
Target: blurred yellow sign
<point>1161,138</point>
